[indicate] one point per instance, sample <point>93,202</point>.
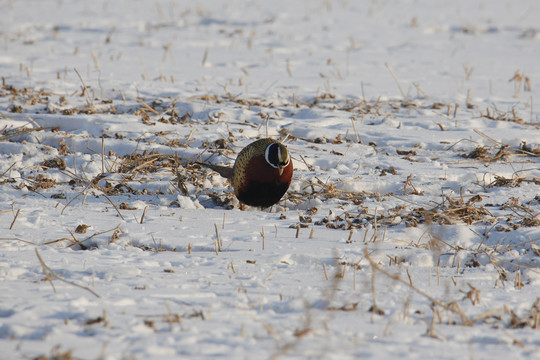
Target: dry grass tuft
<point>57,354</point>
<point>50,275</point>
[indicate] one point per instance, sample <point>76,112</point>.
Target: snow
<point>411,227</point>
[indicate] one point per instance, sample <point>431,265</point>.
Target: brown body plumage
<point>261,174</point>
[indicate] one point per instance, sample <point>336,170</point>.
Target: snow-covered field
<point>411,228</point>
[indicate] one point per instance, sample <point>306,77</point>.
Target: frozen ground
<point>411,229</point>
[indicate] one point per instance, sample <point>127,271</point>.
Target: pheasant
<point>261,173</point>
